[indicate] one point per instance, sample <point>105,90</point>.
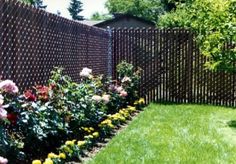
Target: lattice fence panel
<point>33,41</point>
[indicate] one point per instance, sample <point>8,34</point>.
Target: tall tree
<point>75,8</point>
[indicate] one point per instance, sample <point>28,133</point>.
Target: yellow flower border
<point>111,122</point>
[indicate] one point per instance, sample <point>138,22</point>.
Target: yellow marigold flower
<point>48,161</point>
<point>70,143</point>
<point>136,102</point>
<point>67,149</point>
<point>111,125</point>
<point>96,134</point>
<point>122,118</point>
<point>52,155</point>
<point>62,155</point>
<point>107,121</point>
<point>141,101</point>
<point>81,143</point>
<point>131,108</point>
<point>121,112</point>
<point>126,115</point>
<point>36,162</point>
<point>115,116</point>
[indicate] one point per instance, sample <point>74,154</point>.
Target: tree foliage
<point>214,22</point>
<point>39,4</point>
<point>75,8</point>
<point>98,16</point>
<point>35,3</point>
<point>149,9</point>
<point>31,2</point>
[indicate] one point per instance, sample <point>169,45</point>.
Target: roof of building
<point>118,17</point>
<point>90,22</point>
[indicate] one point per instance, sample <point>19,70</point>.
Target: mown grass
<point>174,134</point>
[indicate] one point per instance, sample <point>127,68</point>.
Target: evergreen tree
<point>75,8</point>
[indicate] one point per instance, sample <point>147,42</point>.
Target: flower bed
<point>73,149</point>
<point>45,117</point>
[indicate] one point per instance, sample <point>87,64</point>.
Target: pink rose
<point>8,86</point>
<point>97,98</point>
<point>3,160</point>
<point>112,87</point>
<point>123,93</point>
<point>106,98</point>
<point>3,114</point>
<point>119,89</point>
<point>1,100</point>
<point>86,72</point>
<point>126,79</point>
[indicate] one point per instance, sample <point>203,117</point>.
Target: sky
<point>89,7</point>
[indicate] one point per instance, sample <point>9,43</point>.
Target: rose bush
<point>10,145</point>
<point>45,116</point>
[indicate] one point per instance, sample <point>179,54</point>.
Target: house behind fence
<point>33,41</point>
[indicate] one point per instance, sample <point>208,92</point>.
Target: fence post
<point>1,38</point>
<point>190,59</point>
<point>109,59</point>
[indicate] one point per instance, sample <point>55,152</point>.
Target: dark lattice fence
<point>33,41</point>
<point>173,67</point>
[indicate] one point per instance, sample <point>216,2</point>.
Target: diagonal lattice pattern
<point>33,41</point>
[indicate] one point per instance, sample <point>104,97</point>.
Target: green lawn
<point>174,134</point>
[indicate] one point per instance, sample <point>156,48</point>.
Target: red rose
<point>43,92</point>
<point>12,118</point>
<point>52,86</point>
<point>29,95</point>
<point>42,89</point>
